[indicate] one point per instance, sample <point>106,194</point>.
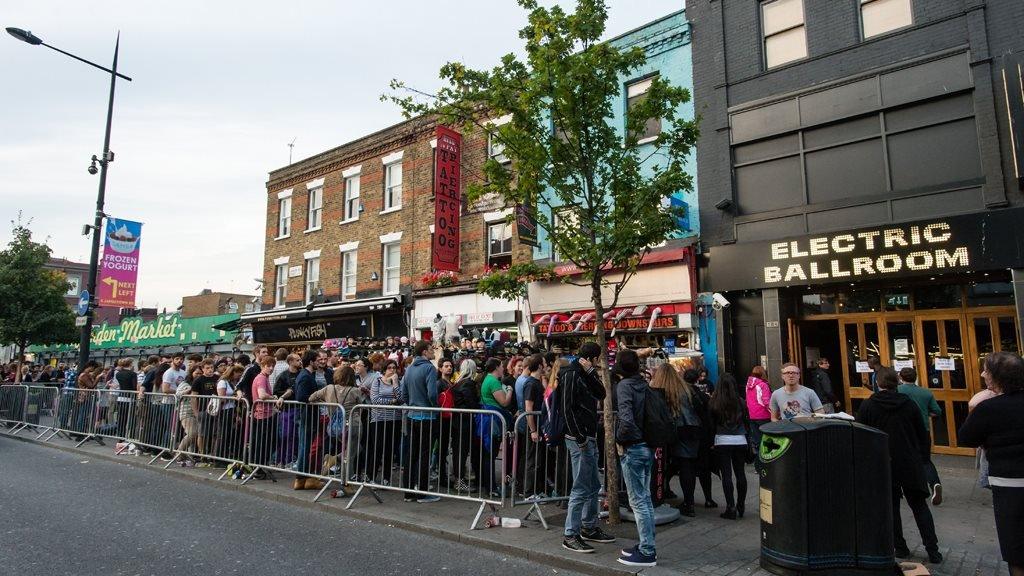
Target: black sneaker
<point>576,544</point>
<point>936,494</point>
<point>902,552</point>
<point>687,510</point>
<point>595,534</point>
<point>934,557</point>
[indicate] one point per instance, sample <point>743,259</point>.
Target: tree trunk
<point>611,466</point>
<point>21,360</point>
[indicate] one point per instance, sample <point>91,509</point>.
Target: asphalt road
<point>61,513</point>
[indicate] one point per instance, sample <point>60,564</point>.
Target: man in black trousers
<point>909,448</point>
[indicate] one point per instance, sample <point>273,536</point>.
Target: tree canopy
<point>599,192</point>
<point>32,305</point>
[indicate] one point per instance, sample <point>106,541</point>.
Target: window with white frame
<point>352,198</point>
<point>349,261</point>
<point>280,284</point>
<point>635,94</point>
<point>392,267</point>
<point>496,149</point>
<point>881,16</point>
<point>393,186</point>
<point>284,217</point>
<point>499,244</point>
<point>316,208</point>
<point>312,278</point>
<point>785,39</point>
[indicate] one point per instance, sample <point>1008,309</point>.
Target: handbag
<point>213,408</point>
<point>336,427</point>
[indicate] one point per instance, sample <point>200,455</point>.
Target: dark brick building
<point>859,186</point>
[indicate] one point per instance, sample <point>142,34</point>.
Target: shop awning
<point>319,310</point>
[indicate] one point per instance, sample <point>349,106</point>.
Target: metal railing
<point>41,409</point>
<point>12,406</point>
<point>541,474</point>
<point>299,438</point>
<point>210,429</point>
<point>405,438</point>
<point>153,424</point>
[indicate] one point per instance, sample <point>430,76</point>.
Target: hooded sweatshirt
<point>629,397</point>
<point>909,446</point>
<point>758,397</point>
<point>419,387</point>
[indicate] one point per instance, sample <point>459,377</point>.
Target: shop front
<point>934,295</point>
<point>166,334</point>
<point>654,309</point>
<point>461,311</point>
<point>373,318</point>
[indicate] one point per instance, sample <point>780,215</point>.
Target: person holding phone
<point>582,393</point>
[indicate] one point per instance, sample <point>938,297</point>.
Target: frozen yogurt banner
<point>119,268</point>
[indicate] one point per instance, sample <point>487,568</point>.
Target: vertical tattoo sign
<point>447,200</point>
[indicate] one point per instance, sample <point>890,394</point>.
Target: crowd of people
<point>669,424</point>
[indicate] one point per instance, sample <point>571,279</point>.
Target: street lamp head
<point>25,36</point>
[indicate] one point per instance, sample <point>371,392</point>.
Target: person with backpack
<point>343,391</point>
<point>634,427</point>
<point>731,445</point>
<point>580,392</point>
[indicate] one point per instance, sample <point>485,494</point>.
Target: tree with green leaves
<point>32,306</point>
<point>601,199</point>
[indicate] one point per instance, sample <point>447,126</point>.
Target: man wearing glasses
<point>792,399</point>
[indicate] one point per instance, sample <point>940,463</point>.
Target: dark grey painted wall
<point>729,77</point>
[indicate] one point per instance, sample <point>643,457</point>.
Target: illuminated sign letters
<point>982,241</point>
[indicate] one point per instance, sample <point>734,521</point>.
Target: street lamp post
<point>108,157</point>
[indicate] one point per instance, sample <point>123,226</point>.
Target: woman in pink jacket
<point>758,397</point>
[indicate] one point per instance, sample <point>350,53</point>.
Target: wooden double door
<point>946,348</point>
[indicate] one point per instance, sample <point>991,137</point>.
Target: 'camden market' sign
<point>964,243</point>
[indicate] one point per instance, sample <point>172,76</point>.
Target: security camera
<point>93,169</point>
<point>720,301</point>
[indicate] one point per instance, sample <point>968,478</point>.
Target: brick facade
<point>413,139</point>
<point>210,303</point>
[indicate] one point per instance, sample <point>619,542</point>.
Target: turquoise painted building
<point>666,42</point>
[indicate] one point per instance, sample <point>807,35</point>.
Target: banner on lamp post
<point>119,268</point>
<point>447,201</point>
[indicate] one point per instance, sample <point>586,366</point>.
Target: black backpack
<point>659,426</point>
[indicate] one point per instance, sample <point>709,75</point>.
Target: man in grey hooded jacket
<point>419,387</point>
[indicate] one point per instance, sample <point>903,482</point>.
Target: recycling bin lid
<point>804,424</point>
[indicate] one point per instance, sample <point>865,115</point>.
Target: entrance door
<point>859,339</point>
<point>943,369</point>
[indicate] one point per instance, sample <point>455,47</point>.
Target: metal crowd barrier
<point>468,443</point>
<point>152,425</point>
<point>12,406</point>
<point>541,474</point>
<point>41,409</point>
<point>76,415</point>
<point>211,429</point>
<point>304,439</point>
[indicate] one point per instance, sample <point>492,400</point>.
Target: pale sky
<point>219,90</point>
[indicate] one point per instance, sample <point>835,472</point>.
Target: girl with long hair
<point>731,445</point>
<point>685,403</point>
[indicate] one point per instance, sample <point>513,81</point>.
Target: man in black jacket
<point>581,392</point>
<point>909,446</point>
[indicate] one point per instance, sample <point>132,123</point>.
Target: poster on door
<point>898,365</point>
<point>901,347</point>
<point>945,364</point>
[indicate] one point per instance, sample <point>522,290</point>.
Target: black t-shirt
<point>127,380</point>
<point>205,385</point>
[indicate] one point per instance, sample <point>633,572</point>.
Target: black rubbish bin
<point>825,502</point>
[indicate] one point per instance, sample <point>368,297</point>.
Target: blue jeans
<point>585,486</point>
<point>636,470</point>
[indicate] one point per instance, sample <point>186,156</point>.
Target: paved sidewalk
<point>706,544</point>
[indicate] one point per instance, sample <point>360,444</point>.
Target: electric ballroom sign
<point>989,240</point>
<point>447,201</point>
<point>880,252</point>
